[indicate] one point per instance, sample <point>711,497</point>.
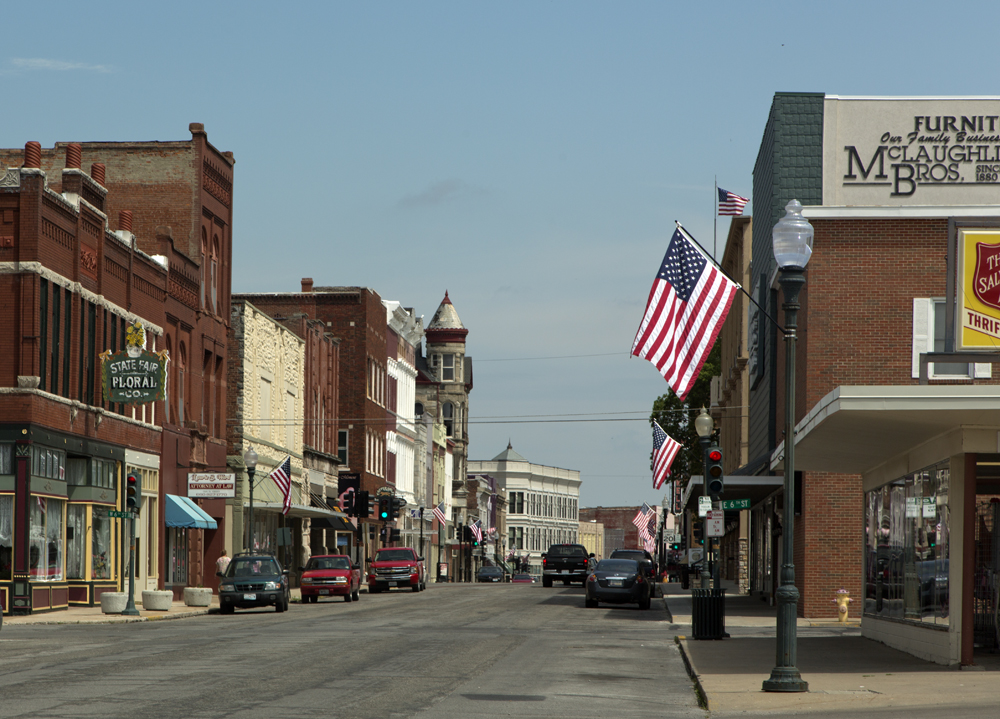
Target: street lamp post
<point>250,459</point>
<point>704,425</point>
<point>793,240</point>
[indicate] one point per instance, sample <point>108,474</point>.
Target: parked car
<point>522,579</point>
<point>489,574</point>
<point>566,562</point>
<point>330,575</point>
<point>253,580</point>
<point>619,581</point>
<point>396,567</point>
<point>639,555</point>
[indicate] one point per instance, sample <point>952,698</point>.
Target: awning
<point>182,512</point>
<point>296,510</point>
<point>339,524</point>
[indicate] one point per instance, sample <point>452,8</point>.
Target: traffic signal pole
<point>130,610</point>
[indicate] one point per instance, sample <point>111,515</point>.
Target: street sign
<point>704,506</point>
<point>120,515</point>
<point>736,504</point>
<point>715,523</point>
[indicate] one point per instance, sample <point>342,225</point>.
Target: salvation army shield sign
<point>986,281</point>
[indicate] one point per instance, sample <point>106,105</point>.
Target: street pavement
<point>454,651</point>
<point>848,675</point>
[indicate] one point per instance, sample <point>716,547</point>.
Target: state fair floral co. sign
<point>134,375</point>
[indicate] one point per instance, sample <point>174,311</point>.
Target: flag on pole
<point>687,306</point>
<point>649,545</point>
<point>665,448</point>
<point>282,476</point>
<point>439,514</point>
<point>639,520</point>
<point>730,203</point>
<point>477,530</point>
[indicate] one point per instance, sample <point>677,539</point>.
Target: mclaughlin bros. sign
<point>134,375</point>
<point>929,151</point>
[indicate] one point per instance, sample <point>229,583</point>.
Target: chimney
<point>33,154</point>
<point>125,220</point>
<point>307,284</point>
<point>73,155</point>
<point>97,173</point>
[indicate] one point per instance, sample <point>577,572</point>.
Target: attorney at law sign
<point>208,484</point>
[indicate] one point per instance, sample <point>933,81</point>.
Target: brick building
<point>895,471</point>
<point>72,285</point>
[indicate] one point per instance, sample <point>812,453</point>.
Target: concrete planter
<point>113,602</point>
<point>157,601</point>
<point>198,596</point>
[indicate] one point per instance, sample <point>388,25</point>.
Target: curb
<point>118,619</point>
<point>692,671</point>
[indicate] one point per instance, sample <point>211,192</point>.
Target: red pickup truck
<point>396,567</point>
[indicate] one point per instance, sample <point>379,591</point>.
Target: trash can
<point>708,613</point>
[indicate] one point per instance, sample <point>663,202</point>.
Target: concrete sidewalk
<point>94,615</point>
<point>848,675</point>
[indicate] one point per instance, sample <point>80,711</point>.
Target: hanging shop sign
<point>134,375</point>
<point>978,300</point>
<point>209,484</point>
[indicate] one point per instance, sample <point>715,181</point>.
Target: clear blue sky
<point>528,157</point>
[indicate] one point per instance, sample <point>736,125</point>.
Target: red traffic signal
<point>133,490</point>
<point>715,455</point>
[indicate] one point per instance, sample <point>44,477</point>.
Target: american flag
<point>282,476</point>
<point>649,545</point>
<point>439,514</point>
<point>641,520</point>
<point>730,203</point>
<point>477,530</point>
<point>665,448</point>
<point>687,306</point>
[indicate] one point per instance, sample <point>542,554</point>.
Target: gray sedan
<point>619,581</point>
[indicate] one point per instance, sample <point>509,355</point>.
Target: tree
<point>677,418</point>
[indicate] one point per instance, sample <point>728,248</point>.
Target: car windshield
<point>253,567</point>
<point>618,565</point>
<point>393,555</point>
<point>328,563</point>
<point>490,570</point>
<point>628,554</point>
<point>567,552</point>
<point>522,576</point>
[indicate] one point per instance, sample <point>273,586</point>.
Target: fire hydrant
<point>842,600</point>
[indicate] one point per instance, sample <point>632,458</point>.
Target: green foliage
<point>677,418</point>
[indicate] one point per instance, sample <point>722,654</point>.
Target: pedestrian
<point>222,563</point>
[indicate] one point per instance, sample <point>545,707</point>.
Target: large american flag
<point>439,514</point>
<point>730,203</point>
<point>665,448</point>
<point>282,476</point>
<point>687,305</point>
<point>641,520</point>
<point>477,530</point>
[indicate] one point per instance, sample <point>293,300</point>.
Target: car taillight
<point>592,578</point>
<point>639,579</point>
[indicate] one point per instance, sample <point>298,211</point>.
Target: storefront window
<point>49,463</point>
<point>45,548</point>
<point>100,546</point>
<point>6,459</point>
<point>907,547</point>
<point>76,533</point>
<point>6,535</point>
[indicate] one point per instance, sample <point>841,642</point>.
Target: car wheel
<point>347,597</point>
<point>226,609</point>
<point>645,603</point>
<point>546,582</point>
<point>416,587</point>
<point>590,603</point>
<point>355,595</point>
<point>279,606</point>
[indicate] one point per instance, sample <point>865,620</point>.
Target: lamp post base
<point>785,679</point>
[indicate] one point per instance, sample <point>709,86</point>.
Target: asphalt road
<point>464,651</point>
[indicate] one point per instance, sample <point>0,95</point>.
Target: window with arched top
<point>418,409</point>
<point>204,263</point>
<point>215,274</point>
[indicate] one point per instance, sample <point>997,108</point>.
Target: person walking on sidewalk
<point>222,563</point>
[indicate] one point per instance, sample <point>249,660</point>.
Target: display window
<point>6,535</point>
<point>45,550</point>
<point>907,548</point>
<point>177,555</point>
<point>100,546</point>
<point>76,538</point>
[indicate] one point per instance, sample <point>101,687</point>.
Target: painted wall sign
<point>978,301</point>
<point>911,151</point>
<point>134,375</point>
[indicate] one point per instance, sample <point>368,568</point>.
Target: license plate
<point>564,571</point>
<point>324,591</point>
<point>393,584</point>
<point>614,582</point>
<point>250,597</point>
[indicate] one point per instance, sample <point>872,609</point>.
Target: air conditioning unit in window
<point>454,552</point>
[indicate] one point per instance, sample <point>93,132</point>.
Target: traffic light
<point>132,492</point>
<point>699,533</point>
<point>384,508</point>
<point>397,506</point>
<point>713,472</point>
<point>393,536</point>
<point>362,504</point>
<point>467,534</point>
<point>347,504</point>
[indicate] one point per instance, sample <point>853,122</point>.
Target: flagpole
<point>738,285</point>
<point>715,220</point>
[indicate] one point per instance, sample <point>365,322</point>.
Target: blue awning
<point>182,512</point>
